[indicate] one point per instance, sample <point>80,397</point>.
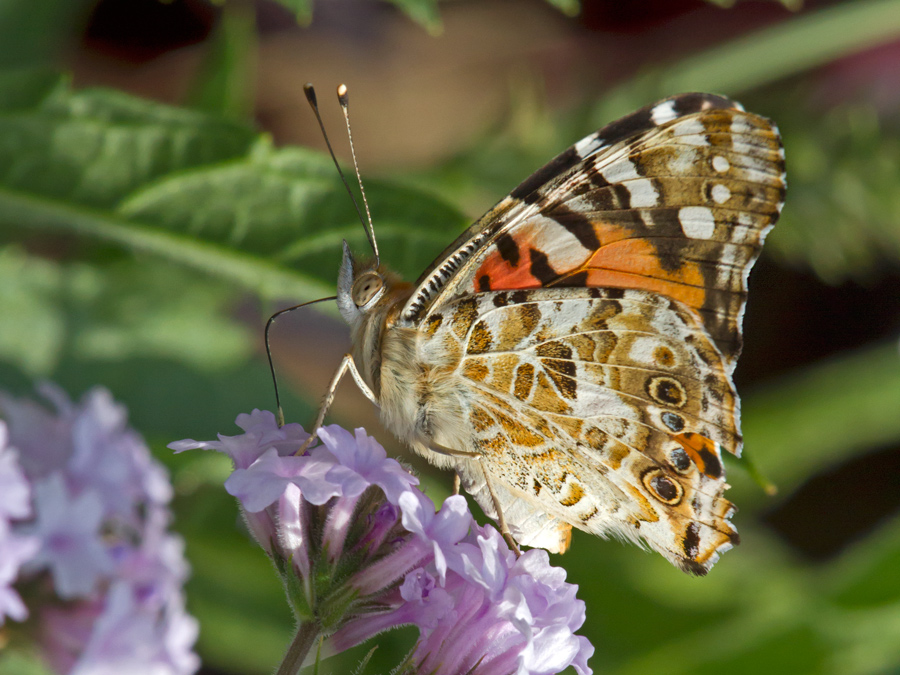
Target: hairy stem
<point>306,635</point>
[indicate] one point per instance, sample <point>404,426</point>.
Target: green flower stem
<point>307,632</point>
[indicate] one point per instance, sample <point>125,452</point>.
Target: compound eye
<point>366,288</point>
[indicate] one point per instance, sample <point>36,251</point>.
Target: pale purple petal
<point>100,523</point>
<point>262,433</point>
<point>421,602</point>
<point>111,459</point>
<point>486,562</point>
<point>266,479</point>
<point>128,639</point>
<point>442,530</point>
<point>15,551</point>
<point>71,543</point>
<point>15,491</point>
<point>367,458</point>
<point>44,440</point>
<point>291,530</point>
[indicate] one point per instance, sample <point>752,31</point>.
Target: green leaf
<point>302,9</point>
<point>198,190</point>
<point>38,32</point>
<point>15,662</point>
<point>567,7</point>
<point>224,84</point>
<point>816,417</point>
<point>93,147</point>
<point>32,335</point>
<point>764,56</point>
<point>423,12</point>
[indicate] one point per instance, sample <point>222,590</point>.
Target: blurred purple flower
<point>15,549</point>
<point>69,529</point>
<point>15,491</point>
<point>97,522</point>
<point>361,550</point>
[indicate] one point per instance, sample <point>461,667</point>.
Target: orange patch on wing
<point>720,540</point>
<point>565,537</point>
<point>634,263</point>
<point>703,452</point>
<point>503,276</point>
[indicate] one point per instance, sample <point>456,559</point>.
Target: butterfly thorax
<point>420,399</point>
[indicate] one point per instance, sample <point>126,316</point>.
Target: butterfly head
<point>360,288</point>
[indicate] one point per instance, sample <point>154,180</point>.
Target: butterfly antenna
<point>344,100</point>
<point>279,414</point>
<point>310,92</point>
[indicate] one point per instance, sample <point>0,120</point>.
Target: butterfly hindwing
<point>580,401</point>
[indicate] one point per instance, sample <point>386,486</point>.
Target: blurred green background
<point>163,190</point>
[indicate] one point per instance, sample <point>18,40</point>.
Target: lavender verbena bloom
<point>492,614</point>
<point>96,522</point>
<point>15,549</point>
<point>361,550</point>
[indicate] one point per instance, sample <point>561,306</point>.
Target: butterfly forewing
<point>680,208</point>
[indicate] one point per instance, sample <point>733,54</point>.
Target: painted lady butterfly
<point>570,354</point>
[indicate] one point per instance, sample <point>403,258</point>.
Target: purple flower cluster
<point>361,550</point>
<point>83,532</point>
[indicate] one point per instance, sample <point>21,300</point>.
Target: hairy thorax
<point>422,399</point>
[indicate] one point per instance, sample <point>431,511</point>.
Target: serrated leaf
<point>198,190</point>
<point>93,147</point>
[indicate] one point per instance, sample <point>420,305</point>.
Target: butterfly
<point>570,355</point>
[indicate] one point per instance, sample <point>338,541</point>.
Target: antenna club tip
<point>342,94</point>
<point>310,92</point>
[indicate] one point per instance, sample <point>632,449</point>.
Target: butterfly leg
<point>347,364</point>
<point>501,519</point>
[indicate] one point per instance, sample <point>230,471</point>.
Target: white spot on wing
<point>690,131</point>
<point>739,126</point>
<point>683,161</point>
<point>720,194</point>
<point>562,248</point>
<point>663,113</point>
<point>619,171</point>
<point>697,222</point>
<point>586,145</point>
<point>641,190</point>
<point>642,193</point>
<point>720,164</point>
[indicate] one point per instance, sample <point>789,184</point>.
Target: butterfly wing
<point>675,198</point>
<point>602,409</point>
<point>593,322</point>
